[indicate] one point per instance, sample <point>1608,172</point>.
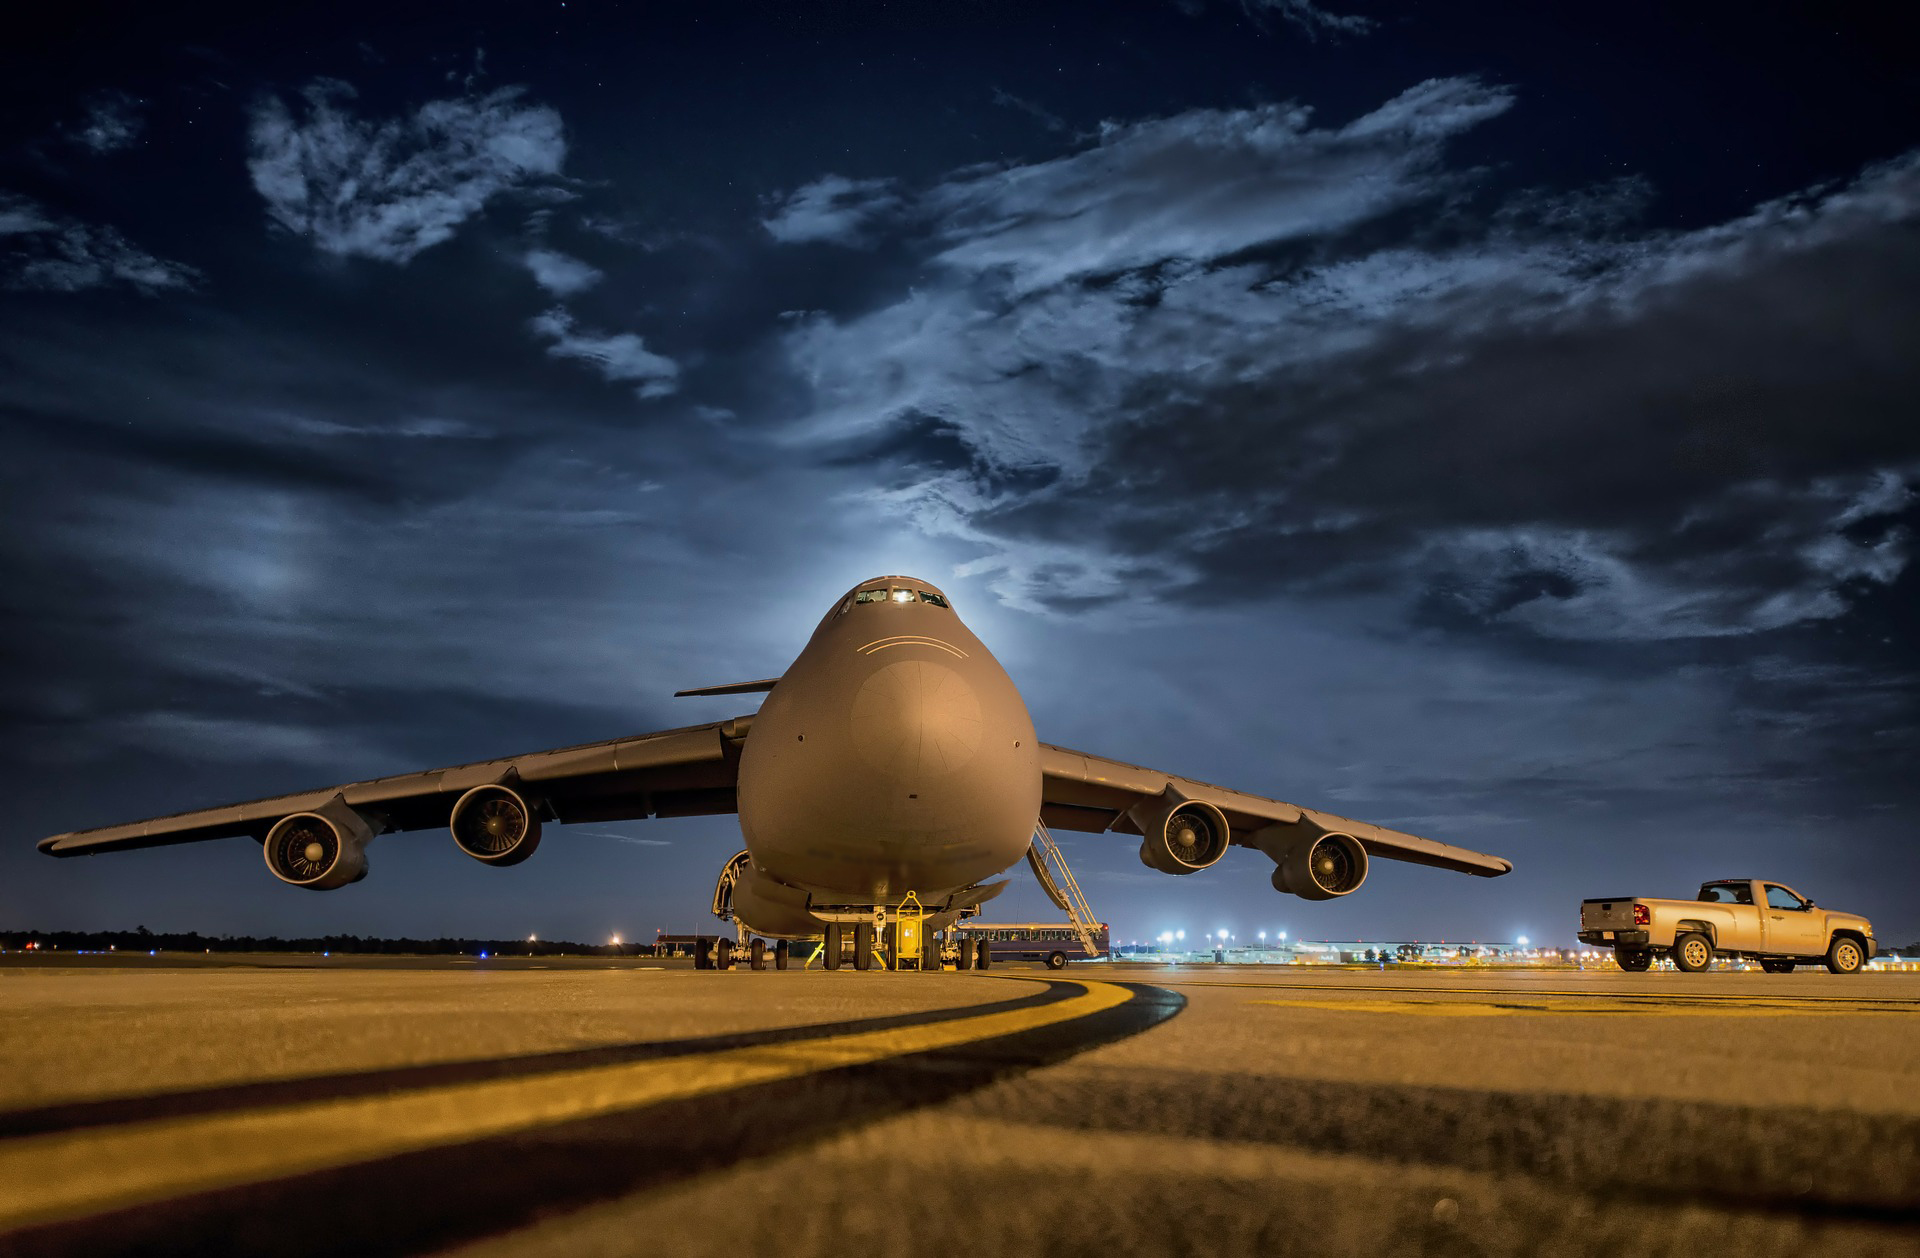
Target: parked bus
<point>1035,941</point>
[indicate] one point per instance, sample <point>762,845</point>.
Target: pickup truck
<point>1744,917</point>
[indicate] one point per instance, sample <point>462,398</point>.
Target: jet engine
<point>1182,836</point>
<point>495,825</point>
<point>1321,867</point>
<point>320,850</point>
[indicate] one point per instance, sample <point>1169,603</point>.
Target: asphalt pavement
<point>335,1105</point>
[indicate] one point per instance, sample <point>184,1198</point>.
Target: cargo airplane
<point>894,755</point>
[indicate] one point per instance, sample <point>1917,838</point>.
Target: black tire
<point>780,951</point>
<point>929,950</point>
<point>1777,966</point>
<point>890,944</point>
<point>1056,960</point>
<point>1845,955</point>
<point>963,954</point>
<point>863,946</point>
<point>1631,961</point>
<point>983,955</point>
<point>757,955</point>
<point>1692,953</point>
<point>703,954</point>
<point>723,954</point>
<point>830,959</point>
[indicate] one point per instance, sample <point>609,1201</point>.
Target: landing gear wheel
<point>1692,954</point>
<point>1777,967</point>
<point>780,950</point>
<point>890,945</point>
<point>863,946</point>
<point>757,955</point>
<point>983,955</point>
<point>703,954</point>
<point>723,954</point>
<point>962,954</point>
<point>1632,962</point>
<point>929,952</point>
<point>1846,956</point>
<point>1056,960</point>
<point>830,957</point>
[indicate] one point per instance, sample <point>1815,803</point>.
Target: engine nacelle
<point>495,825</point>
<point>1321,867</point>
<point>322,849</point>
<point>1181,835</point>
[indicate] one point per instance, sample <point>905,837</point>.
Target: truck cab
<point>1739,917</point>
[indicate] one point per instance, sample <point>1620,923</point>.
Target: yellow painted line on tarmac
<point>1677,1007</point>
<point>1523,993</point>
<point>70,1175</point>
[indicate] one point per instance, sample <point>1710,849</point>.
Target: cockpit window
<point>894,594</point>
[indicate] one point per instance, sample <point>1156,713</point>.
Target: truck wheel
<point>1692,953</point>
<point>1846,956</point>
<point>1056,960</point>
<point>1632,962</point>
<point>1777,967</point>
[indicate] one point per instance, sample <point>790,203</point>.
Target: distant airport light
<point>1181,935</point>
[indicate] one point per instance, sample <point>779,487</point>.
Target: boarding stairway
<point>1050,870</point>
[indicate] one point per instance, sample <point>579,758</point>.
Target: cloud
<point>45,252</point>
<point>1202,185</point>
<point>833,209</point>
<point>1310,18</point>
<point>113,122</point>
<point>559,274</point>
<point>388,190</point>
<point>620,356</point>
<point>1228,355</point>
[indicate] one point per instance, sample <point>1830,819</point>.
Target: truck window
<point>1781,898</point>
<point>1727,893</point>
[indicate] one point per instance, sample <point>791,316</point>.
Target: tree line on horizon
<point>140,939</point>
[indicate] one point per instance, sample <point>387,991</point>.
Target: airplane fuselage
<point>894,755</point>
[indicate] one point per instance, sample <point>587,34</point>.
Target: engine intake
<point>319,850</point>
<point>1324,867</point>
<point>1181,835</point>
<point>495,825</point>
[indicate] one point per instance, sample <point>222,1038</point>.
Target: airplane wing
<point>675,773</point>
<point>1092,793</point>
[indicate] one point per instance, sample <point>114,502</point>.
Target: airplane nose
<point>916,720</point>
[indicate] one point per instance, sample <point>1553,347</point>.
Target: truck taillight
<point>1641,917</point>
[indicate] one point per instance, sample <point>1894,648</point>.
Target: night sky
<point>1495,422</point>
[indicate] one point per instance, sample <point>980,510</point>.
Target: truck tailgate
<point>1613,914</point>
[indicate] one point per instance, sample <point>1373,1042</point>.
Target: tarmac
<point>308,1105</point>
